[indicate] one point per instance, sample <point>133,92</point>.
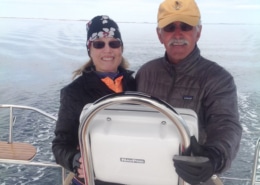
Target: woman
<point>104,74</point>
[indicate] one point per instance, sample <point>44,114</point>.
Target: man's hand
<point>193,169</point>
<point>197,168</point>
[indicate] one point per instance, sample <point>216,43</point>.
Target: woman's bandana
<point>102,27</point>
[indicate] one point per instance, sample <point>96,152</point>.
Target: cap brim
<point>193,21</point>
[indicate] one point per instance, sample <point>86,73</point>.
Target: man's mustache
<point>177,42</point>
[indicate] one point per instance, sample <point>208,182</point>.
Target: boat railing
<point>12,120</point>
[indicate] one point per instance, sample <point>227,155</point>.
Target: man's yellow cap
<point>185,11</point>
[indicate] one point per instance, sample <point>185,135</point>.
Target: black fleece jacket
<point>87,88</point>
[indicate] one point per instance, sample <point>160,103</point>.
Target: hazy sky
<point>213,11</point>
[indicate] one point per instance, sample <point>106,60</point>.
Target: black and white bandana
<point>101,27</point>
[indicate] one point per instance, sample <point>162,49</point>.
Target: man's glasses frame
<point>183,27</point>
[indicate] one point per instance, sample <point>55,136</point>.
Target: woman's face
<point>106,54</point>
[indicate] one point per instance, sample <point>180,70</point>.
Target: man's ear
<point>199,32</point>
<point>159,34</point>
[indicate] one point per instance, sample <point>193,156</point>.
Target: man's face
<point>179,39</point>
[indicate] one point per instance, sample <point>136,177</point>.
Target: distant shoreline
<point>85,20</point>
<point>132,22</point>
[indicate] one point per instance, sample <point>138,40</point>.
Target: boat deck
<point>17,151</point>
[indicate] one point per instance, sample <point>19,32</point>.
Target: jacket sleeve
<point>221,117</point>
<point>65,143</point>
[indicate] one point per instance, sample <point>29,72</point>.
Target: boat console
<point>131,138</point>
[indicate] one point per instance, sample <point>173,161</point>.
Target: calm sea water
<point>37,58</point>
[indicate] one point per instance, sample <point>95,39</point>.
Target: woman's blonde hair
<point>124,64</point>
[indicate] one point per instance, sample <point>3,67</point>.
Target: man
<point>185,79</point>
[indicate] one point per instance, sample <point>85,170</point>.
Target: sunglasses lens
<point>115,44</point>
<point>172,27</point>
<point>186,27</point>
<point>101,44</point>
<point>98,44</point>
<point>169,28</point>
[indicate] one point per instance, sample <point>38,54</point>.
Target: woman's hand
<point>80,169</point>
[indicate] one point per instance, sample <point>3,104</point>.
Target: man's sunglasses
<point>112,44</point>
<point>172,27</point>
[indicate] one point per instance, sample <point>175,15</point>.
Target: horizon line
<point>141,22</point>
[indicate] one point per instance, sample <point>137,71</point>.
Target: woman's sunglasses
<point>172,27</point>
<point>112,44</point>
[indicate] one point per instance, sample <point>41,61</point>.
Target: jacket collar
<point>91,69</point>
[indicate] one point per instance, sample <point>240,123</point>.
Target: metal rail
<point>256,181</point>
<point>12,120</point>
